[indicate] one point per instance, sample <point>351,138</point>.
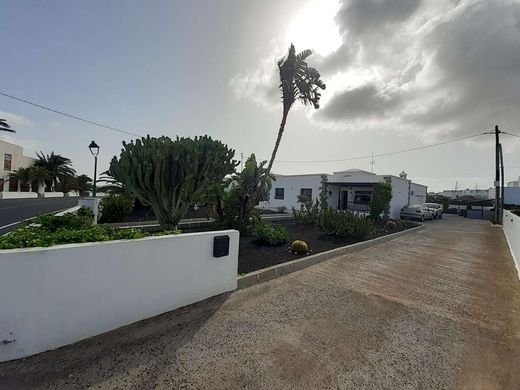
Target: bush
<point>268,233</point>
<point>70,221</point>
<point>343,224</point>
<point>380,201</point>
<point>114,208</point>
<point>309,213</point>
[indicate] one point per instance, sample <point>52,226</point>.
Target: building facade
<point>345,190</point>
<point>12,159</point>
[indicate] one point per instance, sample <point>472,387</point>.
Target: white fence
<point>50,297</point>
<point>511,226</point>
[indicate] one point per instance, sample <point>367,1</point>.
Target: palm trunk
<point>277,144</point>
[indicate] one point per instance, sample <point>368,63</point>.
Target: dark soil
<point>253,256</point>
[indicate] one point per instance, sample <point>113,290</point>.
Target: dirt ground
<point>436,309</point>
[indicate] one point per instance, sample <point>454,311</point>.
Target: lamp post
<point>94,149</point>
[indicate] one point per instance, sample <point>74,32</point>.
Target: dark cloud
<point>368,17</point>
<point>364,101</point>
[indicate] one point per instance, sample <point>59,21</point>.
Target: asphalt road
<point>15,210</point>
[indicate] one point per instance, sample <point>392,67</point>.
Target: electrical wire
<point>70,115</point>
<point>383,154</point>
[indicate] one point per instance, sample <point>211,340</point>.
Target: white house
<point>345,190</point>
<point>12,159</point>
<point>456,194</point>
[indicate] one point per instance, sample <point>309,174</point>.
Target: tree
<point>168,175</point>
<point>24,177</point>
<point>380,201</point>
<point>39,175</point>
<point>83,184</point>
<point>441,199</point>
<point>237,198</point>
<point>57,166</point>
<point>300,82</point>
<point>4,126</point>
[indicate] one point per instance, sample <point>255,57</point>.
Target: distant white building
<point>12,159</point>
<point>345,190</point>
<point>456,194</point>
<point>515,183</point>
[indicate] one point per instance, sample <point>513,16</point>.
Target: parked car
<point>436,208</point>
<point>417,211</point>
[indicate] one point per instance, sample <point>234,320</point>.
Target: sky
<point>399,73</point>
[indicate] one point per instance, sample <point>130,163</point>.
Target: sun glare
<point>314,27</point>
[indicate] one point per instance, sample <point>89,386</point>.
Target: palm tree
<point>4,126</point>
<point>83,184</point>
<point>300,82</point>
<point>57,166</point>
<point>39,175</point>
<point>24,176</point>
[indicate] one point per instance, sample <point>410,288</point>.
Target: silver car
<point>417,211</point>
<point>436,208</point>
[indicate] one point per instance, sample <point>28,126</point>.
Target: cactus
<point>168,175</point>
<point>299,246</point>
<point>391,225</point>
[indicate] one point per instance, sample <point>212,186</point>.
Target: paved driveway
<point>435,309</point>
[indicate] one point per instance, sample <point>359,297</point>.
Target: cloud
<point>15,120</point>
<point>449,67</point>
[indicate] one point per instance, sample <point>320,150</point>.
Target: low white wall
<point>53,194</point>
<point>511,227</point>
<point>18,195</point>
<point>50,297</point>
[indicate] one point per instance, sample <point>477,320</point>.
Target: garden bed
<point>254,256</point>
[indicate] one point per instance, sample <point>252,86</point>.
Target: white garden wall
<point>511,226</point>
<point>18,195</point>
<point>50,297</point>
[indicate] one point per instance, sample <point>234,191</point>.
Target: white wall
<point>511,226</point>
<point>292,186</point>
<point>53,194</point>
<point>400,189</point>
<point>50,297</point>
<point>18,195</point>
<point>417,193</point>
<point>18,160</point>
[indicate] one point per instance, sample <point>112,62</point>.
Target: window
<point>7,162</point>
<point>279,193</point>
<point>306,192</point>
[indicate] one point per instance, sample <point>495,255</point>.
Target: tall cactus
<point>168,175</point>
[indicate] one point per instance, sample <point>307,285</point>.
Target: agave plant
<point>298,82</point>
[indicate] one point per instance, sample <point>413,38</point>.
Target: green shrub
<point>309,212</point>
<point>114,208</point>
<point>34,236</point>
<point>70,221</point>
<point>344,224</point>
<point>268,233</point>
<point>85,212</point>
<point>380,201</point>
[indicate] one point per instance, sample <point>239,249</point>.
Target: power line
<point>383,154</point>
<point>514,135</point>
<point>70,115</point>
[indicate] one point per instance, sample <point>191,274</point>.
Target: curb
<point>282,269</point>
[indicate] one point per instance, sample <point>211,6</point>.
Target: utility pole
<point>372,162</point>
<point>497,175</point>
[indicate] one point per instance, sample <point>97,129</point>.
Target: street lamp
<point>94,149</point>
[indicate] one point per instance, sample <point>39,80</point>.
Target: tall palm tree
<point>57,166</point>
<point>300,82</point>
<point>4,126</point>
<point>24,177</point>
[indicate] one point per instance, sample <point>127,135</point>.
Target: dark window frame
<point>302,190</point>
<point>277,195</point>
<point>8,163</point>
